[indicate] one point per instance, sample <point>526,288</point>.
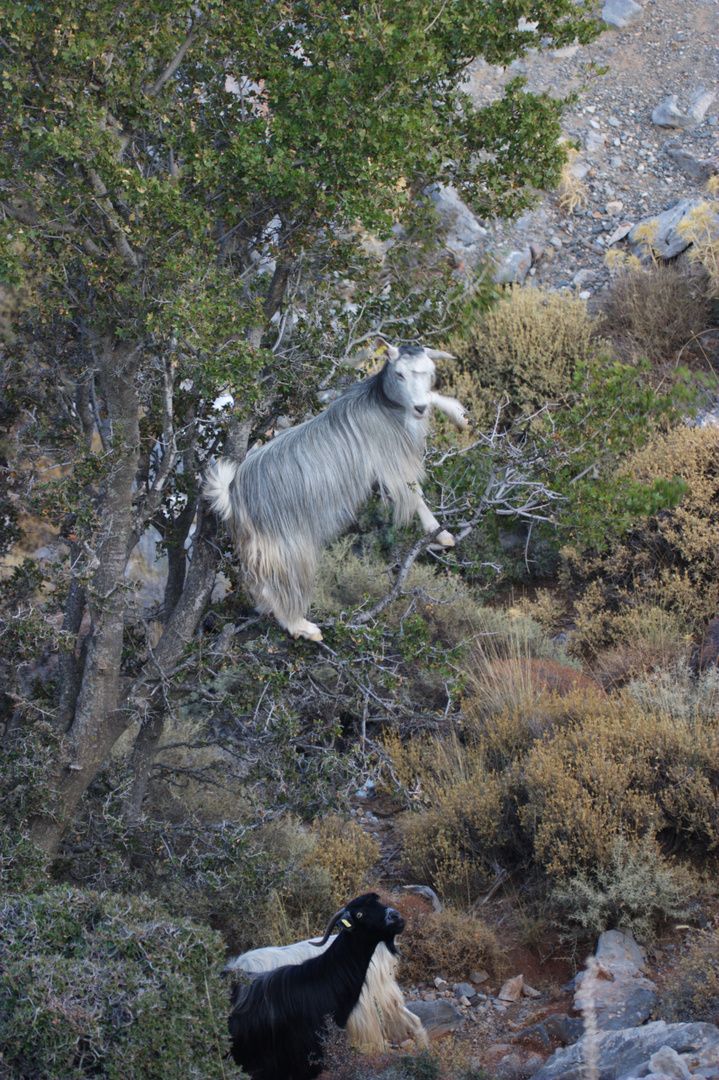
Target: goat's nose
<point>421,409</point>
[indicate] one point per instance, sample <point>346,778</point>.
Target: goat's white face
<point>410,382</point>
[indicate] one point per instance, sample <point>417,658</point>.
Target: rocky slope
<point>645,119</point>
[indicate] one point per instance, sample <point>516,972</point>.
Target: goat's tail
<point>216,488</point>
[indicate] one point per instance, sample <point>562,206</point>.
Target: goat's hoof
<point>307,630</point>
<point>445,539</point>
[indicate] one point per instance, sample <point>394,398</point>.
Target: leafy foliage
<point>85,978</point>
<point>666,559</point>
<point>635,892</point>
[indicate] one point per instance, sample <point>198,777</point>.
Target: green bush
<point>667,560</point>
<point>107,986</point>
<point>636,891</point>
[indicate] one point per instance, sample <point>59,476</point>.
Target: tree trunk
<point>97,722</point>
<point>179,630</point>
<point>148,690</point>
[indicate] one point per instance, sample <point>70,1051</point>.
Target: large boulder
<point>622,1055</point>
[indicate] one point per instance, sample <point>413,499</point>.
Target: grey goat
<point>294,495</point>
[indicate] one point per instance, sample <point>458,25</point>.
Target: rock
<point>614,207</point>
<point>621,13</point>
<point>612,991</point>
<point>464,990</point>
<point>583,276</point>
<point>620,953</point>
<point>147,567</point>
<point>594,141</point>
<point>564,1029</point>
<point>478,977</point>
<point>666,1060</point>
<point>580,169</point>
<point>689,163</point>
<point>536,1032</point>
<point>464,235</point>
<point>514,268</point>
<point>367,791</point>
<point>566,53</point>
<point>512,989</point>
<point>699,102</point>
<point>438,1017</point>
<point>439,983</point>
<point>668,114</point>
<point>621,1053</point>
<point>666,240</point>
<point>530,992</point>
<point>619,233</point>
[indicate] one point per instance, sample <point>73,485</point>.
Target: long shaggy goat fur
<point>380,1015</point>
<point>278,1021</point>
<point>294,495</point>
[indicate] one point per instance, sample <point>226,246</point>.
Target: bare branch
<point>120,241</point>
<point>174,63</point>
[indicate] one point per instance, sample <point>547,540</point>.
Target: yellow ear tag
<point>347,923</point>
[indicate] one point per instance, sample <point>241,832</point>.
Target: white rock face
<point>621,13</point>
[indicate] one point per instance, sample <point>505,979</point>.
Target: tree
<point>170,172</point>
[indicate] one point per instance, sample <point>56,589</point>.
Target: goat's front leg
<point>428,520</point>
<point>452,408</point>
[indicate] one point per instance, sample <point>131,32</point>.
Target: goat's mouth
<point>395,922</point>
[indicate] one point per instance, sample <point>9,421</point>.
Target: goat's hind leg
<point>293,624</point>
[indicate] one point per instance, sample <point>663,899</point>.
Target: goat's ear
<point>383,347</point>
<point>435,354</point>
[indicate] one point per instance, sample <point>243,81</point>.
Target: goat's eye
<point>358,914</point>
<point>400,376</point>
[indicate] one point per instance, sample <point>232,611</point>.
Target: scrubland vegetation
<point>549,721</point>
<point>538,707</point>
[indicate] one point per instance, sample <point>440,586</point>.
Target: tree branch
<point>174,63</point>
<point>120,241</point>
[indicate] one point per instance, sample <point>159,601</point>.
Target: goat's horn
<point>330,927</point>
<point>435,354</point>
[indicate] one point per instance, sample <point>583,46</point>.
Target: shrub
<point>666,563</point>
<point>448,942</point>
<point>552,786</point>
<point>635,891</point>
<point>700,228</point>
<point>654,312</point>
<point>691,991</point>
<point>678,695</point>
<point>108,986</point>
<point>346,852</point>
<point>346,580</point>
<point>525,349</point>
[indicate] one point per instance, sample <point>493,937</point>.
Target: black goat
<point>278,1021</point>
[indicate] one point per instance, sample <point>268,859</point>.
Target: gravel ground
<point>672,49</point>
